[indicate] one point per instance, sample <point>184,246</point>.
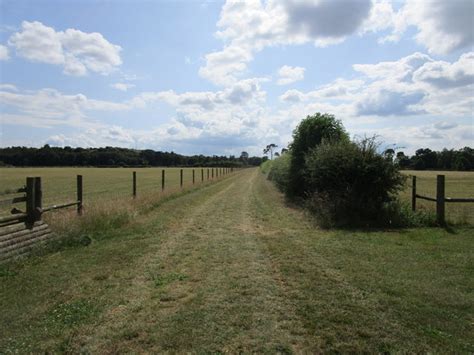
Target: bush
<point>266,166</point>
<point>280,172</point>
<point>308,134</point>
<point>351,183</point>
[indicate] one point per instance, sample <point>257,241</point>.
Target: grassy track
<point>230,267</point>
<point>458,184</point>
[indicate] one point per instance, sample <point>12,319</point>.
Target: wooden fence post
<point>440,199</point>
<point>193,176</point>
<point>207,173</point>
<point>202,175</point>
<point>79,195</point>
<point>38,199</point>
<point>163,180</point>
<point>181,177</point>
<point>413,193</point>
<point>134,185</point>
<point>30,200</point>
<point>212,171</point>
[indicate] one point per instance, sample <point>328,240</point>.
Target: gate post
<point>38,199</point>
<point>30,200</point>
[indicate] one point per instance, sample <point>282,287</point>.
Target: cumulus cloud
<point>288,75</point>
<point>4,55</point>
<point>78,52</point>
<point>444,75</point>
<point>389,103</point>
<point>326,20</point>
<point>411,86</point>
<point>249,26</point>
<point>49,107</point>
<point>442,26</point>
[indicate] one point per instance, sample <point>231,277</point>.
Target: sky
<point>222,77</point>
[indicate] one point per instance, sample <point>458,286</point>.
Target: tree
<point>389,153</point>
<point>269,149</point>
<point>283,151</point>
<point>277,154</point>
<point>244,155</point>
<point>309,134</point>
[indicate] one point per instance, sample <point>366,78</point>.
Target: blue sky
<point>222,77</point>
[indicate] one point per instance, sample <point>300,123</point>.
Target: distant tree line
<point>115,157</point>
<point>427,159</point>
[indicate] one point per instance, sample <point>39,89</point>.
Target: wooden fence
<point>440,198</point>
<point>23,228</point>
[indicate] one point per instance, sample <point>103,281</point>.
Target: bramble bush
<point>350,183</point>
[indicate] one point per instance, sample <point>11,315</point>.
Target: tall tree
<point>269,149</point>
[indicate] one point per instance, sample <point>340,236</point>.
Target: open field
<point>59,184</point>
<point>458,184</point>
<point>230,267</point>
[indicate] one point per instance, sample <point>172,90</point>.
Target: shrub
<point>351,183</point>
<point>266,166</point>
<point>280,172</point>
<point>307,135</point>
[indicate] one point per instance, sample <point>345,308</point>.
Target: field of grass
<point>59,184</point>
<point>458,184</point>
<point>230,267</point>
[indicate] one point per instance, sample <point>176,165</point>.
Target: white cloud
<point>288,75</point>
<point>249,26</point>
<point>122,86</point>
<point>442,26</point>
<point>78,52</point>
<point>8,87</point>
<point>446,75</point>
<point>4,55</point>
<point>49,107</point>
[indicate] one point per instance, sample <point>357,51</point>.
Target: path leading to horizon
<point>226,268</point>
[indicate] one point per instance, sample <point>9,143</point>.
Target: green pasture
<point>459,184</point>
<point>59,184</point>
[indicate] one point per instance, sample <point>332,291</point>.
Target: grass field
<point>59,184</point>
<point>230,267</point>
<point>458,184</point>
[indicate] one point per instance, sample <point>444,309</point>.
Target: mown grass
<point>459,184</point>
<point>231,268</point>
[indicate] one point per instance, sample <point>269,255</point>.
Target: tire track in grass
<point>213,290</point>
<point>123,320</point>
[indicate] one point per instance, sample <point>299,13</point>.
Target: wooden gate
<point>24,229</point>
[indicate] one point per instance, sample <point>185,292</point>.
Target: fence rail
<point>440,198</point>
<point>21,230</point>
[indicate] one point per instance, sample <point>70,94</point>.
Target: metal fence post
<point>193,176</point>
<point>181,177</point>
